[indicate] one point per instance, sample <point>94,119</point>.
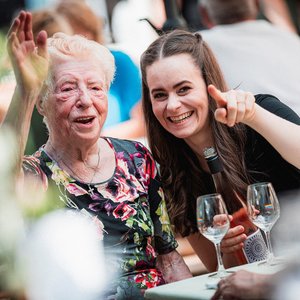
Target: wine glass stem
<point>268,237</point>
<point>221,268</point>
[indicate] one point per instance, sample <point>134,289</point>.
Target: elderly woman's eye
<point>96,88</point>
<point>67,88</point>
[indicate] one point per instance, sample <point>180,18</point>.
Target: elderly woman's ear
<point>40,105</point>
<point>41,99</point>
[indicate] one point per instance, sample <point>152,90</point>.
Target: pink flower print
<point>150,167</point>
<point>121,192</point>
<point>96,221</point>
<point>149,249</point>
<point>124,211</point>
<point>35,165</point>
<point>148,279</point>
<point>99,227</point>
<point>76,190</point>
<point>147,170</point>
<point>122,165</point>
<point>136,184</point>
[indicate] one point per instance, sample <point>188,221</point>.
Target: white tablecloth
<point>195,288</point>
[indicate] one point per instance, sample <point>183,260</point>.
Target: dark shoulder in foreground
<point>275,106</point>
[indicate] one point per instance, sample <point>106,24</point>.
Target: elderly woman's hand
<point>30,61</point>
<point>243,285</point>
<point>233,106</point>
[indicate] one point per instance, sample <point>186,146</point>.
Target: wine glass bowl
<point>263,209</point>
<point>215,230</point>
<point>213,223</point>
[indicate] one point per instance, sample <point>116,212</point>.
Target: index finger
<point>234,231</point>
<point>217,95</point>
<point>217,295</point>
<point>220,219</point>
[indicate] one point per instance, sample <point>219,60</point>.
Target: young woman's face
<point>179,96</point>
<point>77,108</point>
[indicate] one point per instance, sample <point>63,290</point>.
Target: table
<point>195,288</point>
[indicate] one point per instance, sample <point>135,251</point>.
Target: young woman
<point>187,108</point>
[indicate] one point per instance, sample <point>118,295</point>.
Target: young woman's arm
<point>283,135</point>
<point>238,106</point>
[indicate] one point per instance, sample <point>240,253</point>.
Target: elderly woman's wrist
<point>28,93</point>
<point>265,287</point>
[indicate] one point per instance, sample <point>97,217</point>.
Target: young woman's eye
<point>184,90</point>
<point>159,96</point>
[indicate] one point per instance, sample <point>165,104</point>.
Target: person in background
<point>51,21</point>
<point>282,13</point>
<point>111,181</point>
<point>187,108</point>
<point>254,55</point>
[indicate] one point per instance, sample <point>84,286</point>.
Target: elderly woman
<point>114,181</point>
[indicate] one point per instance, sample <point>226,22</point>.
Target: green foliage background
<point>4,61</point>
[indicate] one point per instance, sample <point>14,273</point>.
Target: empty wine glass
<point>264,211</point>
<point>213,223</point>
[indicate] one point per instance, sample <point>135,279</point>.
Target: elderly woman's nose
<point>84,98</point>
<point>173,102</point>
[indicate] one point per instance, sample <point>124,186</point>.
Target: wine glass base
<point>214,278</point>
<point>221,274</point>
<point>275,261</point>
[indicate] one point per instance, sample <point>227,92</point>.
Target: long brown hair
<point>181,173</point>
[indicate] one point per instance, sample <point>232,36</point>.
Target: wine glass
<point>213,223</point>
<point>263,210</point>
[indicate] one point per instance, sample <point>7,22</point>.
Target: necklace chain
<point>96,168</point>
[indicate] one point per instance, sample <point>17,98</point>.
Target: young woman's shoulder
<point>277,107</point>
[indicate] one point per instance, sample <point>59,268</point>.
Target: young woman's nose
<point>173,102</point>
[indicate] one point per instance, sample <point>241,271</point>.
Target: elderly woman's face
<point>77,107</point>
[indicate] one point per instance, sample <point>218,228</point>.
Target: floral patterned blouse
<point>129,210</point>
